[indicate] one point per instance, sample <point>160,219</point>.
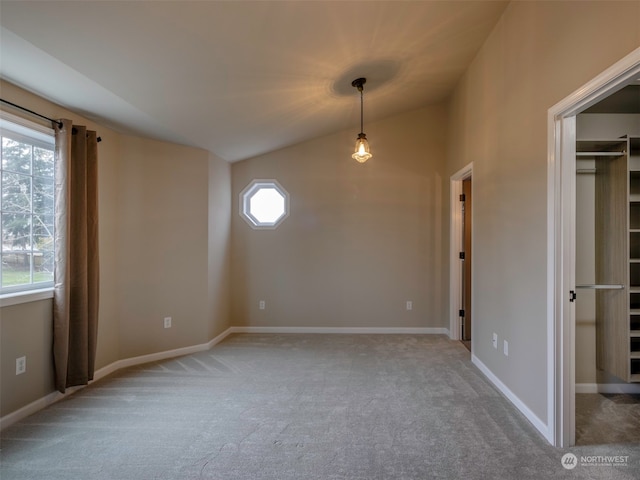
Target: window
<point>26,205</point>
<point>264,204</point>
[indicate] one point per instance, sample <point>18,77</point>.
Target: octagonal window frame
<point>245,203</point>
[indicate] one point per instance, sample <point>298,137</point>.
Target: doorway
<point>460,274</point>
<point>465,262</point>
<point>561,328</point>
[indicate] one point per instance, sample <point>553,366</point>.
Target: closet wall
<point>591,126</point>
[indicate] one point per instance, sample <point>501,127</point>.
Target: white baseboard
<point>513,398</point>
<point>629,388</point>
<point>345,330</point>
<point>30,409</point>
<point>154,357</point>
<point>53,397</point>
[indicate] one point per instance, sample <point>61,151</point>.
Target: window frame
<point>245,203</point>
<point>40,136</point>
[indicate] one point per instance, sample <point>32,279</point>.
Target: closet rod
<point>31,112</point>
<point>586,170</point>
<point>602,287</point>
<point>600,154</point>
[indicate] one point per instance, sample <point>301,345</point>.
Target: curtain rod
<point>31,112</point>
<point>59,123</point>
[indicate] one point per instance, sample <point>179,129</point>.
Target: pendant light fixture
<point>362,152</point>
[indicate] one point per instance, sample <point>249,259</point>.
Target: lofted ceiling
<point>240,78</point>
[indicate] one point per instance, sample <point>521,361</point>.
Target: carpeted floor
<point>607,418</point>
<point>301,407</point>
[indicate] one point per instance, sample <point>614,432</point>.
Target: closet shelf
<point>602,145</point>
<point>634,355</point>
<point>634,333</point>
<point>635,377</point>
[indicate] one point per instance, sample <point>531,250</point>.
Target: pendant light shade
<point>362,151</point>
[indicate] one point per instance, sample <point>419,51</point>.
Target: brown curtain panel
<point>75,300</point>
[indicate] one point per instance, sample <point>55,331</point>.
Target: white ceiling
<point>240,78</point>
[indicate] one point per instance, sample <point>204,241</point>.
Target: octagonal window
<point>264,204</point>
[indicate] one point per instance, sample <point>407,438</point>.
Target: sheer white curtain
<point>76,291</point>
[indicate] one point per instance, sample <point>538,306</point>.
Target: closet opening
<point>607,270</point>
<point>573,335</point>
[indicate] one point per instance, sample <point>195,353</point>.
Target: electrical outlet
<point>494,341</point>
<point>505,348</point>
<point>262,305</point>
<point>409,305</point>
<point>21,365</point>
<point>167,322</point>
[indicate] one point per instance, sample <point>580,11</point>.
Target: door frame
<point>456,246</point>
<point>561,166</point>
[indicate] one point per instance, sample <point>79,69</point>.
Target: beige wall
<point>539,53</point>
<point>25,330</point>
<point>164,251</point>
<point>219,243</point>
<point>360,240</point>
<point>162,246</point>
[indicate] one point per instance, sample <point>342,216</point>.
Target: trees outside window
<point>26,208</point>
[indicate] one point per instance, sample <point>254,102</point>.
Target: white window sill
<point>25,297</point>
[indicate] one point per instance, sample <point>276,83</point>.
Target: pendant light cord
<point>361,112</point>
